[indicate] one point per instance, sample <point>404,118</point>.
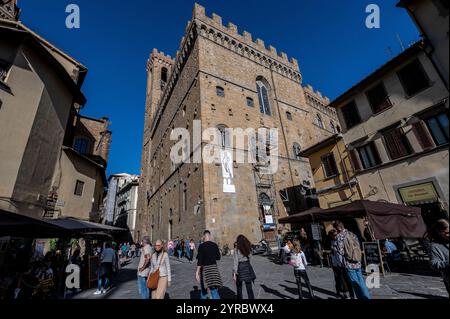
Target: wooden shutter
<point>392,144</point>
<point>355,160</point>
<point>377,156</point>
<point>423,135</point>
<point>397,144</point>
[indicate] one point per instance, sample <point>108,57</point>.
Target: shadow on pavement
<point>275,292</point>
<point>321,290</point>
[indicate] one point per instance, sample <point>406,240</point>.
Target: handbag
<point>152,280</point>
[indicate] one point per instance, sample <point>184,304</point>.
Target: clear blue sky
<point>329,38</point>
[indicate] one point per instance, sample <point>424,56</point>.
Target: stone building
<point>395,125</point>
<point>121,202</point>
<point>46,169</point>
<point>226,79</point>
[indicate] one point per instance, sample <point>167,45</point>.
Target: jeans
<point>103,283</point>
<point>204,292</point>
<point>142,286</point>
<point>248,285</point>
<point>299,274</point>
<point>358,283</point>
<point>343,284</point>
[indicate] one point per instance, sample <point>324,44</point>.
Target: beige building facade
<point>42,158</point>
<point>226,79</point>
<point>395,124</point>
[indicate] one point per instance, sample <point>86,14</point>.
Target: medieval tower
<point>226,79</point>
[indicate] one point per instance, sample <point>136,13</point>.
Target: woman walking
<point>242,269</point>
<point>191,250</point>
<point>160,261</point>
<point>298,261</point>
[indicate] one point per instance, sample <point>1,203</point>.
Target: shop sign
<point>419,193</point>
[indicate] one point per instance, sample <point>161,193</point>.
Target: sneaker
<point>103,291</point>
<point>98,292</point>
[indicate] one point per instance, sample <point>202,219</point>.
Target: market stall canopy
<point>16,225</point>
<point>301,217</point>
<point>82,226</point>
<point>386,220</point>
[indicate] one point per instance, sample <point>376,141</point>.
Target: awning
<point>82,226</point>
<point>16,225</point>
<point>386,220</point>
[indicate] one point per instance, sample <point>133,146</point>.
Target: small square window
<point>79,186</point>
<point>250,102</point>
<point>289,116</point>
<point>351,115</point>
<point>413,78</point>
<point>329,165</point>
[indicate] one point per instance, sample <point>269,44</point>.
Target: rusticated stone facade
<point>213,78</point>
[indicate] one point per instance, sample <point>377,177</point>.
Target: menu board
<point>372,255</point>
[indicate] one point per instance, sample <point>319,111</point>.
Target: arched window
<point>319,121</point>
<point>297,151</point>
<point>224,136</point>
<point>333,127</point>
<point>263,96</point>
<point>164,77</point>
<point>81,145</point>
<point>220,91</point>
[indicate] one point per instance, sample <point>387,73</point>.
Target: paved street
<point>274,282</point>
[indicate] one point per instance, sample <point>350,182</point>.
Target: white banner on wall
<point>227,171</point>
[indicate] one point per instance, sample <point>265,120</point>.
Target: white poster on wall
<point>227,171</point>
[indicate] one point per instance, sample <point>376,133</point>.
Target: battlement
<point>246,37</point>
<point>316,94</point>
<point>161,56</point>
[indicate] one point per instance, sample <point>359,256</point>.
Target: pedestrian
<point>132,250</point>
<point>342,281</point>
<point>107,260</point>
<point>349,248</point>
<point>183,249</point>
<point>144,268</point>
<point>178,247</point>
<point>191,250</point>
<point>187,249</point>
<point>298,261</point>
<point>439,250</point>
<point>242,269</point>
<point>170,247</point>
<point>160,261</point>
<point>138,249</point>
<point>208,275</point>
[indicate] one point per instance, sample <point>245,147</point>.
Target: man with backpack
<point>349,248</point>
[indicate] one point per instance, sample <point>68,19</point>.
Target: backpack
<point>352,250</point>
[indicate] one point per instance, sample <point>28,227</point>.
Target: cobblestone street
<point>274,282</point>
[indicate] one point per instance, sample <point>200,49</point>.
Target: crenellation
<point>260,43</point>
<point>284,56</point>
<point>233,28</point>
<point>199,11</point>
<point>273,50</point>
<point>247,36</point>
<point>217,19</point>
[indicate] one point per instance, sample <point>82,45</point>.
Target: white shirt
<point>146,251</point>
<point>299,261</point>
